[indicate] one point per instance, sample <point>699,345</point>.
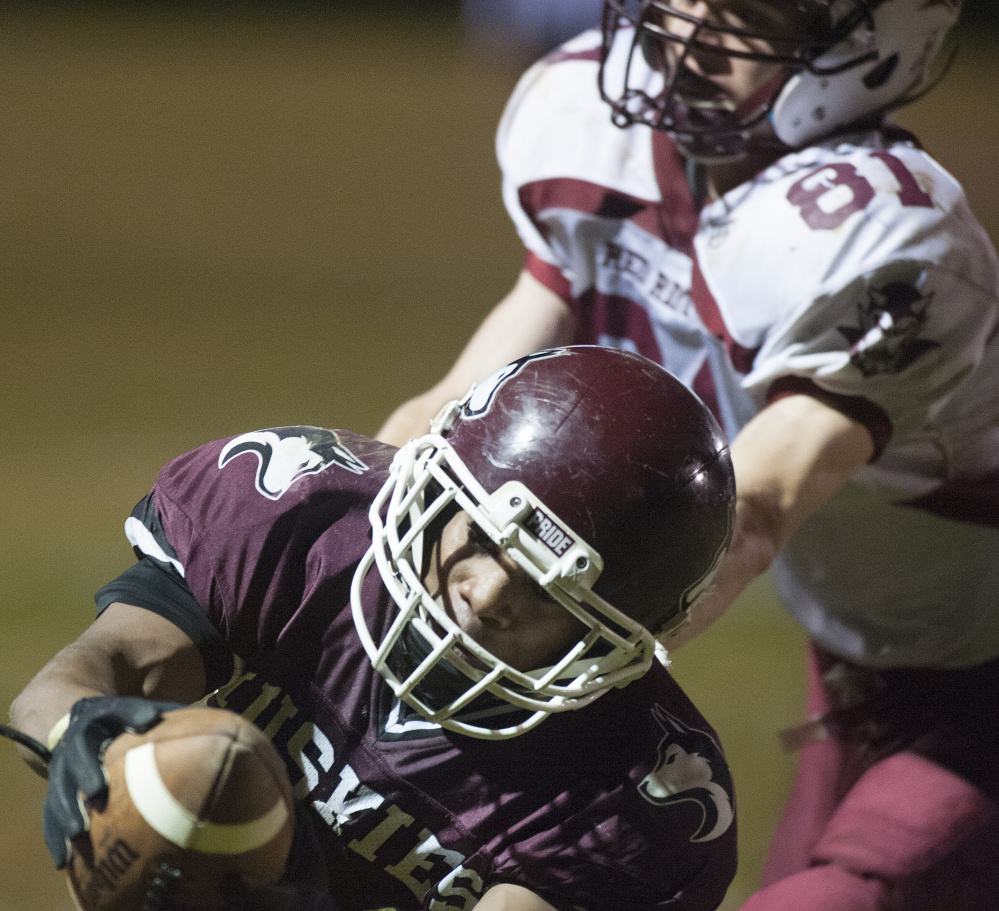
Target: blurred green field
<point>209,226</point>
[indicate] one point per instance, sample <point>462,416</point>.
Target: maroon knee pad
<point>903,817</point>
<point>909,835</point>
<point>824,888</point>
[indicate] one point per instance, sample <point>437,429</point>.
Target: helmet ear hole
<point>881,73</point>
<point>652,51</point>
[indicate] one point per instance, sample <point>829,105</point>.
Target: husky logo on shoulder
<point>287,454</point>
<point>690,767</point>
<point>480,398</point>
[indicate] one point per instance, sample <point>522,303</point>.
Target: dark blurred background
<point>536,25</point>
<point>519,25</point>
<point>220,217</point>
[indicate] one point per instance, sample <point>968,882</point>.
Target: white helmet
<point>855,59</point>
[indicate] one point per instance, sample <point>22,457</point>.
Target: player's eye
<point>478,538</point>
<point>760,18</point>
<point>545,595</point>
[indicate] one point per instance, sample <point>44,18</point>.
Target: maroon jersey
<point>624,804</point>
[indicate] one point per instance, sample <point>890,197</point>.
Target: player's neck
<point>721,177</point>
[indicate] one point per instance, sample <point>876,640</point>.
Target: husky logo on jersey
<point>481,396</point>
<point>287,454</point>
<point>891,319</point>
<point>687,766</point>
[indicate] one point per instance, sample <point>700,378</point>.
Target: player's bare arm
<point>508,897</point>
<point>127,651</point>
<point>789,460</point>
<point>531,317</point>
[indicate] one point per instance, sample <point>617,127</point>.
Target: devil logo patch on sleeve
<point>288,454</point>
<point>887,339</point>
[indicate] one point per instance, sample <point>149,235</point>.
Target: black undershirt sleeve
<point>149,585</point>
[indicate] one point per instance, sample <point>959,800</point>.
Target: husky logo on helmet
<point>687,765</point>
<point>481,396</point>
<point>288,454</point>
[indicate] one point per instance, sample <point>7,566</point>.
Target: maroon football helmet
<point>623,453</point>
<point>599,474</point>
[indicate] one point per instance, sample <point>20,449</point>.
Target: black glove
<point>305,886</point>
<point>75,767</point>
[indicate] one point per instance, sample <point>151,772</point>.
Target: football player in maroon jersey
<point>451,644</point>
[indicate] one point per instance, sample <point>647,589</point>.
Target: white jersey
<point>853,271</point>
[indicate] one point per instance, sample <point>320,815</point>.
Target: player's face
<point>710,77</point>
<point>495,602</point>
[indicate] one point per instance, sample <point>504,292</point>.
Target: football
<point>200,798</point>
